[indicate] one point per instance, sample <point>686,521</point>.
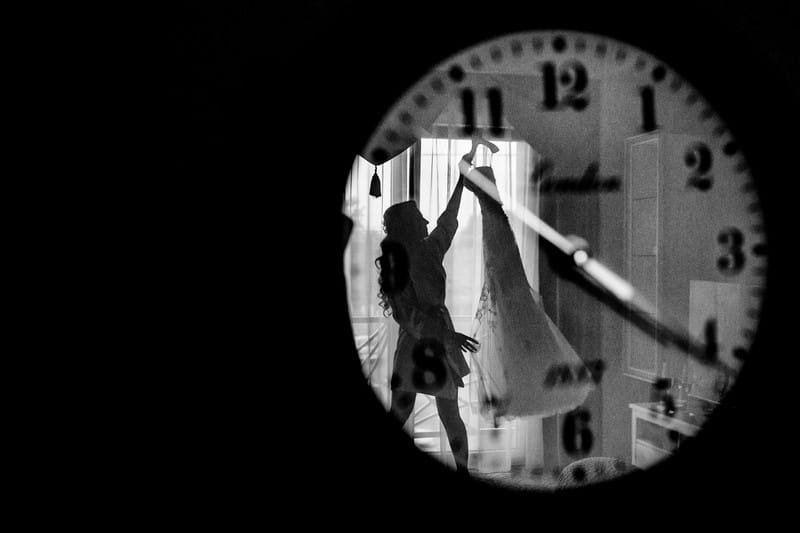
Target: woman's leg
<point>402,405</point>
<point>456,431</point>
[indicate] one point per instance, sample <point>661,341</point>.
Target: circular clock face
<point>556,260</point>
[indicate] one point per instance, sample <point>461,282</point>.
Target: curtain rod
<point>485,128</point>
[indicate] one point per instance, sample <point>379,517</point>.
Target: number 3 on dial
<point>732,261</point>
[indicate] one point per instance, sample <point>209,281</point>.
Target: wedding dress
<point>519,343</point>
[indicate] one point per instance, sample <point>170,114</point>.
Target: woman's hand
<point>466,343</point>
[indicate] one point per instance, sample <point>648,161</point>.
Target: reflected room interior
<point>584,174</point>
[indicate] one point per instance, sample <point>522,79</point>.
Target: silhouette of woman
<point>428,358</point>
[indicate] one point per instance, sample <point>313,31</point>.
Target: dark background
<point>272,104</point>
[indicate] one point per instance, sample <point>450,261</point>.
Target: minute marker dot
<point>601,49</point>
<point>659,73</point>
<point>456,73</point>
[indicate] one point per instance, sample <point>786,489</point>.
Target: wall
<point>686,246</point>
<point>687,240</point>
<point>618,120</point>
<point>571,140</point>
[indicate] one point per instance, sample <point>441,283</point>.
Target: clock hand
<point>667,330</point>
<point>534,222</point>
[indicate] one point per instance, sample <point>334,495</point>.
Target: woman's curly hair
<point>393,264</point>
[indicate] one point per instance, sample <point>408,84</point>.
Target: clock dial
<point>635,223</point>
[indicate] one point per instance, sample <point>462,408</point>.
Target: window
<point>375,334</point>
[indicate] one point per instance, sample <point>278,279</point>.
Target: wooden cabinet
<point>642,179</point>
<point>669,239</point>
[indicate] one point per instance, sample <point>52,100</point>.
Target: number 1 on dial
<point>648,108</point>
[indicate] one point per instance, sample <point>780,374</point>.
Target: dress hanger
<point>478,139</point>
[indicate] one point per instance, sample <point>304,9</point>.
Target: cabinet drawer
<point>658,436</point>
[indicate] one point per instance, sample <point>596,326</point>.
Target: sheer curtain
<point>437,169</point>
<point>375,334</point>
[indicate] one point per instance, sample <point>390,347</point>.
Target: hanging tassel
<point>375,185</point>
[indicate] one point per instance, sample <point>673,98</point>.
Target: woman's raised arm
<point>447,223</point>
